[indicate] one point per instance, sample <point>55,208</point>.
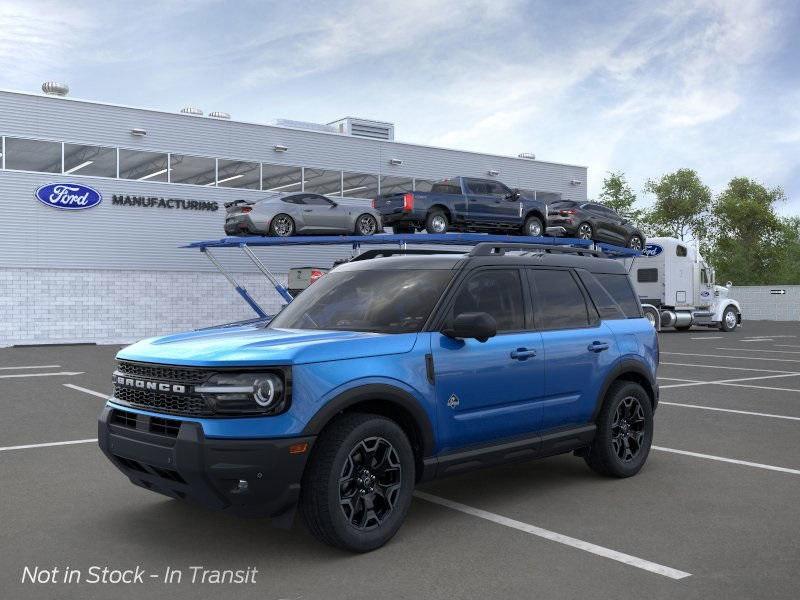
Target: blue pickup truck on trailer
<point>389,372</point>
<point>465,204</point>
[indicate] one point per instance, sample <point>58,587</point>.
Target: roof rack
<point>489,248</point>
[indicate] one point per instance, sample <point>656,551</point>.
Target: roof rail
<point>488,248</point>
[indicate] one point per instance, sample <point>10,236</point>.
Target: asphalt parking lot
<point>712,515</point>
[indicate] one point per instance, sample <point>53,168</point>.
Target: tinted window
<point>393,185</point>
<point>647,275</point>
<point>143,166</point>
<point>424,185</point>
<point>238,174</point>
<point>33,155</point>
<point>497,292</point>
<point>278,178</point>
<point>680,251</point>
<point>299,199</point>
<point>619,286</point>
<point>317,200</point>
<point>559,300</point>
<point>478,187</point>
<point>90,160</point>
<point>607,306</point>
<point>446,187</point>
<point>360,185</point>
<point>321,181</point>
<point>497,189</point>
<point>382,301</point>
<point>197,170</point>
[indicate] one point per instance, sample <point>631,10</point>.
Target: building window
<point>359,185</point>
<point>423,185</point>
<point>320,181</point>
<point>143,166</point>
<point>195,170</point>
<point>33,155</point>
<point>279,178</point>
<point>396,185</point>
<point>238,174</point>
<point>90,160</point>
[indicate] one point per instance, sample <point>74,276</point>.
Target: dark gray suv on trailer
<point>593,221</point>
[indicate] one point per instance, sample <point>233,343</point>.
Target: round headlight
<point>266,390</point>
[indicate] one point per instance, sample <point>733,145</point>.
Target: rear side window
<point>446,187</point>
<point>497,292</point>
<point>607,306</point>
<point>647,275</point>
<point>478,187</point>
<point>558,300</point>
<point>680,251</point>
<point>619,288</point>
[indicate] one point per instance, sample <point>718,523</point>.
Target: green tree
<point>751,244</point>
<point>681,206</point>
<point>618,195</point>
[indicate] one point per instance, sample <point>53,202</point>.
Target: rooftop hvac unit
<point>527,155</point>
<point>219,115</point>
<point>53,88</point>
<point>376,130</point>
<point>192,110</point>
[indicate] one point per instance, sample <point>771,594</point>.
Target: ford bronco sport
<point>387,373</point>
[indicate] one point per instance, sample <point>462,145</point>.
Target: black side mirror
<point>478,325</point>
<point>334,204</point>
<point>514,195</point>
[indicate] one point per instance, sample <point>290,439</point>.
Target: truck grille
<point>162,401</point>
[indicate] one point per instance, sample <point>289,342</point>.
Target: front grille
<point>176,404</point>
<point>164,372</point>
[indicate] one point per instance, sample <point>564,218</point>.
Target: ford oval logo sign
<point>652,250</point>
<point>68,196</point>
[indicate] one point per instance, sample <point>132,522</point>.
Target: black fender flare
<point>622,368</point>
<point>376,392</point>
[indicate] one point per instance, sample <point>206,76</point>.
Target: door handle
<point>307,210</point>
<point>597,347</point>
<point>522,354</point>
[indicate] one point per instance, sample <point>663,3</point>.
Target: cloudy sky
<point>642,87</point>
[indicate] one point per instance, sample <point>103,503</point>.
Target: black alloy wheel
<point>585,231</point>
<point>366,225</point>
<point>627,429</point>
<point>635,243</point>
<point>370,483</point>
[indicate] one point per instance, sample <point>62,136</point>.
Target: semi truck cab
<point>677,288</point>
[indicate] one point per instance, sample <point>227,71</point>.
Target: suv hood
<point>256,346</point>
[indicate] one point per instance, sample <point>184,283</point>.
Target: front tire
<point>533,227</point>
<point>282,226</point>
<point>585,232</point>
<point>366,225</point>
<point>636,242</point>
<point>357,488</point>
<point>624,431</point>
<point>436,222</point>
<point>729,320</point>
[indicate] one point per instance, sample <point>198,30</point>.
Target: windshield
<point>390,301</point>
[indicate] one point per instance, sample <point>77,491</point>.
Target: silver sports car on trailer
<point>283,215</point>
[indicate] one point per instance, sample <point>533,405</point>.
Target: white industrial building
<point>114,272</point>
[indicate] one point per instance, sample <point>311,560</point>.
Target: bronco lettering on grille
<point>142,384</point>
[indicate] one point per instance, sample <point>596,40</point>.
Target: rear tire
<point>281,226</point>
<point>636,242</point>
<point>729,320</point>
<point>366,225</point>
<point>533,227</point>
<point>585,232</point>
<point>436,222</point>
<point>357,487</point>
<point>624,431</point>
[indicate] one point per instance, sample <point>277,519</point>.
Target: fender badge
<point>452,401</point>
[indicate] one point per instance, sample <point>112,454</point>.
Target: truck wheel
<point>436,222</point>
<point>533,227</point>
<point>366,224</point>
<point>624,431</point>
<point>357,487</point>
<point>281,226</point>
<point>729,320</point>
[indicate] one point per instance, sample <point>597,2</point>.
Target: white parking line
<point>761,387</point>
<point>66,373</point>
<point>556,537</point>
<point>787,346</point>
<point>48,444</point>
<point>672,364</point>
<point>708,337</point>
<point>739,357</point>
<point>760,350</point>
<point>730,410</point>
<point>31,367</point>
<point>728,460</point>
<point>728,381</point>
<point>86,391</point>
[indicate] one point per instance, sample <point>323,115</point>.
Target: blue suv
<point>386,373</point>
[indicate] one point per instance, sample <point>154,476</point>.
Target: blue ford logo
<point>652,250</point>
<point>68,196</point>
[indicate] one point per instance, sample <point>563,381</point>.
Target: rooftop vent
<point>527,155</point>
<point>192,110</point>
<point>303,125</point>
<point>219,115</point>
<point>376,130</point>
<point>53,88</point>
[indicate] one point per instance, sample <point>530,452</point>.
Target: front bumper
<point>174,458</point>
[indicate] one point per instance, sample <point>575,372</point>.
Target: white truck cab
<point>677,288</point>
